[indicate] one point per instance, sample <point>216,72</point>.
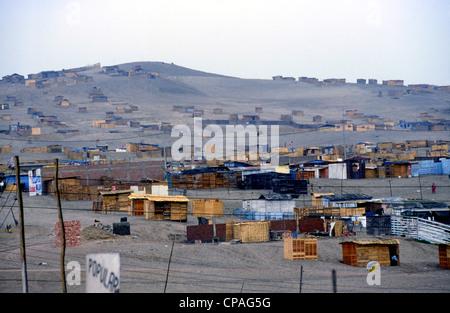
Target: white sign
<point>103,273</point>
<point>35,183</point>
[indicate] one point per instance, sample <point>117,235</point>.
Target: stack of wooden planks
<point>206,180</point>
<point>251,231</point>
<point>206,207</point>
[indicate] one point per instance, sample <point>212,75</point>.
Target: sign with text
<point>103,273</point>
<point>35,183</point>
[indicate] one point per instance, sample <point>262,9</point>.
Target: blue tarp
<point>445,163</point>
<point>23,180</point>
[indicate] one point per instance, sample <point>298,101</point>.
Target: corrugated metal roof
<point>347,197</point>
<point>376,242</point>
<point>276,197</point>
<point>114,192</point>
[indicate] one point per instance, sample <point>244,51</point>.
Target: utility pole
<point>22,228</point>
<point>63,232</point>
<point>170,259</point>
<point>301,278</point>
<point>333,278</point>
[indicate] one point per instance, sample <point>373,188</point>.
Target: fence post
<point>333,278</point>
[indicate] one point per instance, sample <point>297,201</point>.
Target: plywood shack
<point>270,203</point>
<point>156,207</point>
<point>359,253</point>
<point>206,207</point>
<point>251,231</point>
<point>115,200</point>
<point>70,188</point>
<point>300,248</point>
<point>398,169</point>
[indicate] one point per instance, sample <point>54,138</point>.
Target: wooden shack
<point>317,119</point>
<point>444,256</point>
<point>297,113</point>
<point>115,200</point>
<point>156,207</point>
<point>359,253</point>
<point>300,248</point>
<point>206,207</point>
<point>399,169</point>
<point>270,203</point>
<point>70,188</point>
<point>251,231</point>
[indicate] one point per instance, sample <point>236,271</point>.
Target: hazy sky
<point>382,39</point>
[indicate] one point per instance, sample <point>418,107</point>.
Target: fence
<point>421,229</point>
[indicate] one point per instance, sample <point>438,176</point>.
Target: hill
<point>162,94</point>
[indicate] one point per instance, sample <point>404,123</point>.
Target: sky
<point>380,39</point>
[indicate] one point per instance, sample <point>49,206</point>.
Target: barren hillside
<point>172,85</point>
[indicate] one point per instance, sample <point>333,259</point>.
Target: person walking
<point>433,188</point>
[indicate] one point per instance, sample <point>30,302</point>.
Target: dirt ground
<point>209,267</point>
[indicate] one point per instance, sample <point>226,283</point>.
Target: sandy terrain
<point>208,267</point>
<point>211,268</point>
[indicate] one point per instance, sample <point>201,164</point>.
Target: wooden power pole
<point>22,228</point>
<point>63,232</point>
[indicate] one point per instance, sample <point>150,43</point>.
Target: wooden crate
<point>444,256</point>
<point>251,231</point>
<point>300,248</point>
